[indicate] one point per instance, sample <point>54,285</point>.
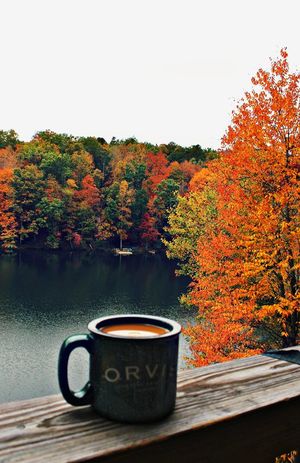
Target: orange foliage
<point>7,219</point>
<point>7,158</point>
<point>157,171</point>
<point>248,257</point>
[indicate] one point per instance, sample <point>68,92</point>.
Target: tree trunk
<point>20,234</point>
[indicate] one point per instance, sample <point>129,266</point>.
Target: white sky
<point>160,70</point>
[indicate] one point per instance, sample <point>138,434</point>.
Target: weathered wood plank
<point>245,410</point>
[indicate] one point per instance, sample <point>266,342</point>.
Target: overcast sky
<point>160,70</point>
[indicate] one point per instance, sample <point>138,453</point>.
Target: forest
<point>58,191</point>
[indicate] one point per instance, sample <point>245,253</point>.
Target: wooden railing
<point>245,410</point>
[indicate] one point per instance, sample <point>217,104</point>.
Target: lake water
<point>45,297</point>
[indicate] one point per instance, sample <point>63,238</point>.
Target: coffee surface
<point>135,330</point>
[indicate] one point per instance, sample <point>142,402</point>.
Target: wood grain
<point>244,410</point>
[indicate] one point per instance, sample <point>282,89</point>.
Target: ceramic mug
<point>132,379</point>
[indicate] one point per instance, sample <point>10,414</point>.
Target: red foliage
<point>89,193</point>
<point>149,233</point>
<point>76,239</point>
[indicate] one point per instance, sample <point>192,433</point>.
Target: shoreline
<point>136,250</point>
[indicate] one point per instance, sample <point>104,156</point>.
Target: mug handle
<point>84,395</point>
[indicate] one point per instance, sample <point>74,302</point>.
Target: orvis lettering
<point>135,373</point>
<point>151,372</point>
<point>112,375</point>
<point>132,371</point>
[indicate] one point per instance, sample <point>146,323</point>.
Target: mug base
<point>134,420</point>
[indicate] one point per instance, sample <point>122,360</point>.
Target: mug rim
<point>175,326</point>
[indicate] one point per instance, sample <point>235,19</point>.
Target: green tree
<point>8,138</point>
<point>28,185</point>
<point>62,140</point>
<point>186,223</point>
<point>33,151</point>
<point>118,208</point>
<point>57,165</point>
<point>135,173</point>
<point>165,200</point>
<point>139,207</point>
<point>100,153</point>
<point>52,212</point>
<point>82,164</point>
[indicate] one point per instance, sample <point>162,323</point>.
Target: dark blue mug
<point>132,379</point>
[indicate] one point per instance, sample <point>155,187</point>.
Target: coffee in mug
<point>133,367</point>
<point>137,330</point>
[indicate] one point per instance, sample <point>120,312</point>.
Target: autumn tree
<point>8,225</point>
<point>51,218</point>
<point>82,164</point>
<point>98,148</point>
<point>87,210</point>
<point>118,208</point>
<point>182,173</point>
<point>68,227</point>
<point>194,153</point>
<point>33,152</point>
<point>8,139</point>
<point>189,220</point>
<point>246,284</point>
<point>56,164</point>
<point>28,190</point>
<point>89,194</point>
<point>135,175</point>
<point>61,140</point>
<point>8,159</point>
<point>165,199</point>
<point>148,229</point>
<point>157,170</point>
<point>123,155</point>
